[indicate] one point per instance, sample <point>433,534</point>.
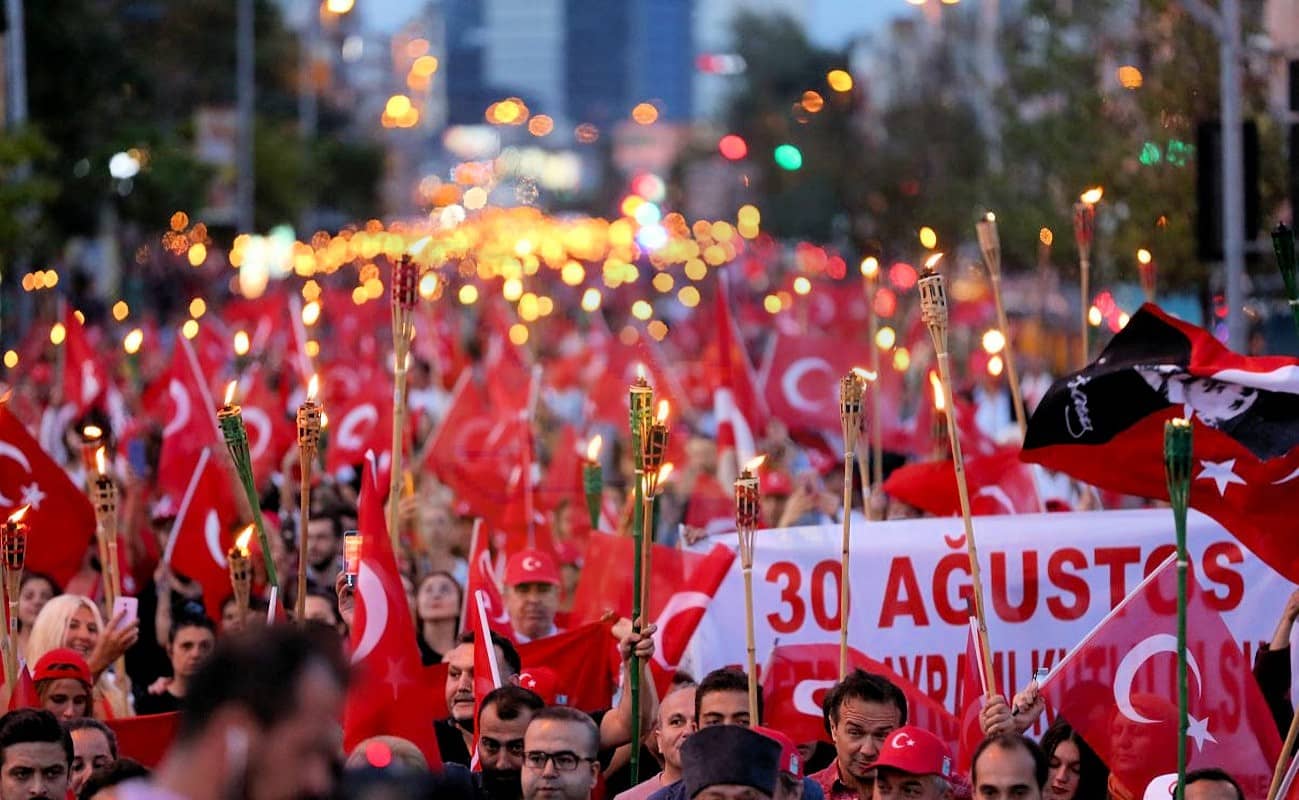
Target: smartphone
<point>1039,677</point>
<point>129,607</point>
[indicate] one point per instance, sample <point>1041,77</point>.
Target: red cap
<point>543,681</point>
<point>531,566</point>
<point>62,662</point>
<point>776,483</point>
<point>790,760</point>
<point>915,751</point>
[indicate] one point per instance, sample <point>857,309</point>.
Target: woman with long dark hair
<point>1075,772</point>
<point>437,615</point>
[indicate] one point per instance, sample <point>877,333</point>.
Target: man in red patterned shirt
<point>860,712</point>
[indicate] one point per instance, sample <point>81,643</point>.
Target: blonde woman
<point>73,621</point>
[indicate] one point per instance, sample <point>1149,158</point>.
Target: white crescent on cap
<point>531,563</point>
<point>903,740</point>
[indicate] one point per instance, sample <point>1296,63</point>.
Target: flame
<point>662,415</point>
<point>990,217</point>
<point>1144,257</point>
<point>242,343</point>
<point>18,515</point>
<point>665,472</point>
<point>940,399</point>
<point>933,260</point>
<point>324,419</point>
<point>754,463</point>
<point>640,371</point>
<point>593,448</point>
<point>132,341</point>
<point>244,537</point>
<point>864,375</point>
<point>313,388</point>
<point>230,392</point>
<point>870,267</point>
<point>1093,195</point>
<point>91,432</point>
<point>100,460</point>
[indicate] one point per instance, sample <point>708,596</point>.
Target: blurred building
<point>712,38</point>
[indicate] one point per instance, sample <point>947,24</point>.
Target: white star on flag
<point>32,495</point>
<point>396,676</point>
<point>1223,473</point>
<point>1198,729</point>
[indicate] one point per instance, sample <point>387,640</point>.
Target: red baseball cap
<point>790,760</point>
<point>776,483</point>
<point>543,681</point>
<point>62,662</point>
<point>915,751</point>
<point>531,566</point>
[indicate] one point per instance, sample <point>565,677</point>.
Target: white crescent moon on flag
<point>998,494</point>
<point>180,418</point>
<point>13,453</point>
<point>790,380</point>
<point>370,589</point>
<point>677,604</point>
<point>1288,478</point>
<point>348,437</point>
<point>212,535</point>
<point>1138,655</point>
<point>805,696</point>
<point>255,418</point>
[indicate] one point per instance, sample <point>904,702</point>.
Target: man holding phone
<point>189,644</point>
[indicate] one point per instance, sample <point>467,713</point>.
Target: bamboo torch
<point>850,401</point>
<point>654,444</point>
<point>1177,470</point>
<point>990,246</point>
<point>405,289</point>
<point>1084,231</point>
<point>92,439</point>
<point>105,499</point>
<point>241,573</point>
<point>1147,270</point>
<point>748,506</point>
<point>231,418</point>
<point>939,426</point>
<point>870,270</point>
<point>640,402</point>
<point>933,309</point>
<point>308,442</point>
<point>13,541</point>
<point>593,480</point>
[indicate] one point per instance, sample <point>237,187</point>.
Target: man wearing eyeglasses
<point>503,718</point>
<point>559,755</point>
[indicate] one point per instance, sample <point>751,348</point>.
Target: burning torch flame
<point>313,388</point>
<point>940,400</point>
<point>1143,256</point>
<point>932,261</point>
<point>1093,195</point>
<point>18,515</point>
<point>593,448</point>
<point>99,461</point>
<point>640,371</point>
<point>665,472</point>
<point>92,432</point>
<point>662,416</point>
<point>751,466</point>
<point>864,375</point>
<point>242,343</point>
<point>230,392</point>
<point>241,541</point>
<point>870,267</point>
<point>990,217</point>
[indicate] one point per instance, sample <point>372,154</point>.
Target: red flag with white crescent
<point>201,534</point>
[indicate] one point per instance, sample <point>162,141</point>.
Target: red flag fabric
<point>145,738</point>
<point>797,677</point>
<point>26,696</point>
<point>482,579</point>
<point>800,378</point>
<point>270,430</point>
<point>969,699</point>
<point>387,695</point>
<point>188,411</point>
<point>61,521</point>
<point>201,534</point>
<point>1118,688</point>
<point>584,662</point>
<point>84,379</point>
<point>998,484</point>
<point>739,407</point>
<point>360,418</point>
<point>1105,425</point>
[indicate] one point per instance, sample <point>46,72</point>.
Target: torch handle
<point>1008,356</point>
<point>646,551</point>
<point>1179,523</point>
<point>750,645</point>
<point>638,557</point>
<point>401,347</point>
<point>877,430</point>
<point>843,567</point>
<point>306,456</point>
<point>10,642</point>
<point>1084,279</point>
<point>962,488</point>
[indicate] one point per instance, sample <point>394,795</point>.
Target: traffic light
<point>788,157</point>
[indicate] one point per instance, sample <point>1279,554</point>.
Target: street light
<point>339,7</point>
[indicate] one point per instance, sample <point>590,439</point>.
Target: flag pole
<point>1283,243</point>
<point>850,405</point>
<point>308,442</point>
<point>870,268</point>
<point>990,245</point>
<point>640,401</point>
<point>933,310</point>
<point>748,506</point>
<point>593,480</point>
<point>1177,469</point>
<point>405,279</point>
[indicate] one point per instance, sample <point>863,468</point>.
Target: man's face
<point>322,544</point>
<point>724,708</point>
<point>1004,774</point>
<point>892,784</point>
<point>190,649</point>
<point>858,733</point>
<point>555,737</point>
<point>319,609</point>
<point>34,770</point>
<point>460,683</point>
<point>308,739</point>
<point>532,608</point>
<point>731,792</point>
<point>675,723</point>
<point>1211,790</point>
<point>500,742</point>
<point>90,751</point>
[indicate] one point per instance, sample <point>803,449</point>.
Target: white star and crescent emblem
<point>903,740</point>
<point>789,382</point>
<point>1143,651</point>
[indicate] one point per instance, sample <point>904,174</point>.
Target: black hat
<point>729,755</point>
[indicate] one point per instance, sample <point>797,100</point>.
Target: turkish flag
<point>1118,688</point>
<point>970,692</point>
<point>61,520</point>
<point>200,535</point>
<point>188,412</point>
<point>270,431</point>
<point>145,738</point>
<point>739,407</point>
<point>360,419</point>
<point>800,378</point>
<point>998,484</point>
<point>387,695</point>
<point>584,661</point>
<point>84,379</point>
<point>1105,425</point>
<point>25,696</point>
<point>710,507</point>
<point>797,677</point>
<point>483,578</point>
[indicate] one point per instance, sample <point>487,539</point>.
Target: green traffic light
<point>788,157</point>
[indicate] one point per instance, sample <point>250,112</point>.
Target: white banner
<point>1048,579</point>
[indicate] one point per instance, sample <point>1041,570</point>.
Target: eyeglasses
<point>565,760</point>
<point>491,746</point>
